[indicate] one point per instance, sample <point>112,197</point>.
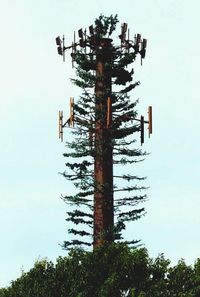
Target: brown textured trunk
<point>103,163</point>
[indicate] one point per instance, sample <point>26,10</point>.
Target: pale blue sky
<point>35,85</point>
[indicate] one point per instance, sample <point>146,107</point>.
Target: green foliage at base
<point>113,270</point>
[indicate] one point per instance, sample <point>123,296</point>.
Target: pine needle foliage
<point>81,151</point>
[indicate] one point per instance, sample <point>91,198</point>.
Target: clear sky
<point>35,84</point>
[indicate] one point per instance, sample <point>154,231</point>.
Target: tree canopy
<point>110,270</point>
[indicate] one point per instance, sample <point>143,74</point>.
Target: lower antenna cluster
<point>70,121</point>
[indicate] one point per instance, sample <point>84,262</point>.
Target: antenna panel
<point>71,118</point>
<point>143,49</point>
<point>142,129</point>
<point>60,125</point>
<point>150,120</point>
<point>58,41</point>
<point>91,30</point>
<point>138,38</point>
<point>60,51</point>
<point>63,48</point>
<point>144,43</point>
<point>124,27</point>
<point>80,33</point>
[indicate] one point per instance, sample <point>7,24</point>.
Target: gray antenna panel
<point>60,125</point>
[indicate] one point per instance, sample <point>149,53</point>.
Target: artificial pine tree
<point>104,118</point>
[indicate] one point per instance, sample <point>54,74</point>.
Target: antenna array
<point>92,42</point>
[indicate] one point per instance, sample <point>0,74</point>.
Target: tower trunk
<point>103,160</point>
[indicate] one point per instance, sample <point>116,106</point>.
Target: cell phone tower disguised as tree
<point>104,120</point>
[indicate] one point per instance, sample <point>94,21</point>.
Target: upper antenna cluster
<point>91,42</point>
